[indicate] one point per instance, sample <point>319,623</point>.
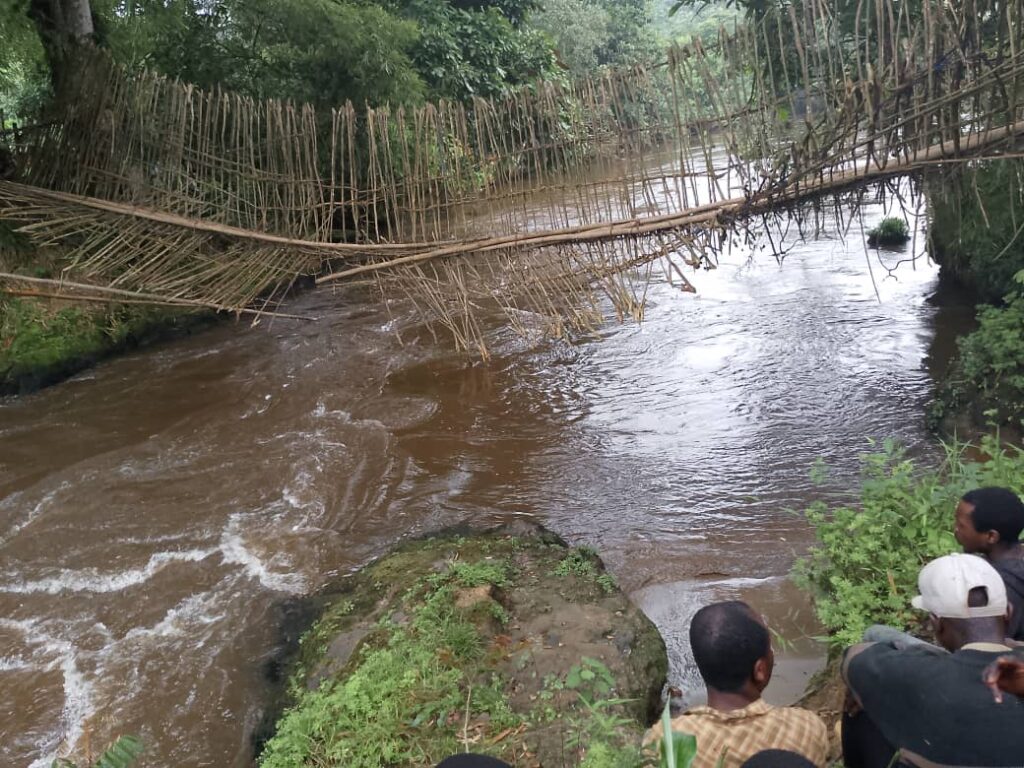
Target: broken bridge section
<point>552,204</point>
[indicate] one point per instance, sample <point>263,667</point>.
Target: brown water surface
<point>157,511</point>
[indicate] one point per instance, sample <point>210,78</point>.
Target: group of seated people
<point>909,703</point>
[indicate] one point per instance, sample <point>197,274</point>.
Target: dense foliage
<point>976,227</point>
<point>369,51</point>
<point>986,381</point>
<point>487,51</point>
<point>320,51</point>
<point>22,72</point>
<point>863,569</point>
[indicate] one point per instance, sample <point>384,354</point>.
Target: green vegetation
<point>678,750</point>
<point>322,52</point>
<point>401,703</point>
<point>41,343</point>
<point>977,235</point>
<point>891,230</point>
<point>976,228</point>
<point>592,34</point>
<point>863,569</point>
<point>43,340</point>
<point>121,754</point>
<point>584,563</point>
<point>986,381</point>
<point>434,669</point>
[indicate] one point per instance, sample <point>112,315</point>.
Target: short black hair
<point>727,640</point>
<point>777,758</point>
<point>472,761</point>
<point>997,509</point>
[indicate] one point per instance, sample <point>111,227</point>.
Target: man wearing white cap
<point>928,709</point>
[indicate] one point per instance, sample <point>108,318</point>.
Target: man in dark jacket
<point>922,707</point>
<point>988,523</point>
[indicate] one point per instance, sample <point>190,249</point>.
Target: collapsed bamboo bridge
<point>553,204</point>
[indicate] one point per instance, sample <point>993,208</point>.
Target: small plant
<point>678,750</point>
<point>582,563</point>
<point>478,574</point>
<point>590,678</point>
<point>121,754</point>
<point>891,230</point>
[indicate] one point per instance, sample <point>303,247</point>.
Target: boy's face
<point>971,539</point>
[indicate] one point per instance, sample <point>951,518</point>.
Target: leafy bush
<point>863,569</point>
<point>975,227</point>
<point>891,230</point>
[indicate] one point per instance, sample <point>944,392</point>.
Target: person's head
<point>472,761</point>
<point>965,598</point>
<point>987,517</point>
<point>732,648</point>
<point>777,758</point>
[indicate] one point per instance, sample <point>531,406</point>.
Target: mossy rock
<point>43,342</point>
<point>507,643</point>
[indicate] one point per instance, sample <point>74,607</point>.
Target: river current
<point>160,513</point>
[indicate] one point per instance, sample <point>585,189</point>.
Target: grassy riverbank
<point>504,643</point>
<point>863,569</point>
<point>45,340</point>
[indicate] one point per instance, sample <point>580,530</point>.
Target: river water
<point>158,512</point>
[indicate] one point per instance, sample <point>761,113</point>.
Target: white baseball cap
<point>946,583</point>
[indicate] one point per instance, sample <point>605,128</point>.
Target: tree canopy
<point>328,51</point>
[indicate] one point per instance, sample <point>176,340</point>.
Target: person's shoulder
<point>887,670</point>
<point>799,714</point>
<point>1009,566</point>
<point>885,653</point>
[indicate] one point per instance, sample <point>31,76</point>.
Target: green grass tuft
<point>583,563</point>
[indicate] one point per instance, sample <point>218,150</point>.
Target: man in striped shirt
<point>732,647</point>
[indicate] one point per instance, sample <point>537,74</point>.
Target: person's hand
<point>1005,675</point>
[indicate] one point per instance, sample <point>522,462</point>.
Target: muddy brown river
<point>159,512</point>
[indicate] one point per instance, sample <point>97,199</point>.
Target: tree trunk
<point>78,16</point>
<point>62,25</point>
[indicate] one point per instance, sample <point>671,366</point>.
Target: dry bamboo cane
<point>115,295</point>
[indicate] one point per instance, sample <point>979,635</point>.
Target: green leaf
<point>121,754</point>
<point>678,750</point>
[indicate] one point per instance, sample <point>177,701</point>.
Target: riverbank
<point>507,642</point>
<point>863,567</point>
<point>974,236</point>
<point>44,340</point>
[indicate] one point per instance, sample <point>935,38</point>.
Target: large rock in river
<point>507,643</point>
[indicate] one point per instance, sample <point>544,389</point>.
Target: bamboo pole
<point>121,296</point>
